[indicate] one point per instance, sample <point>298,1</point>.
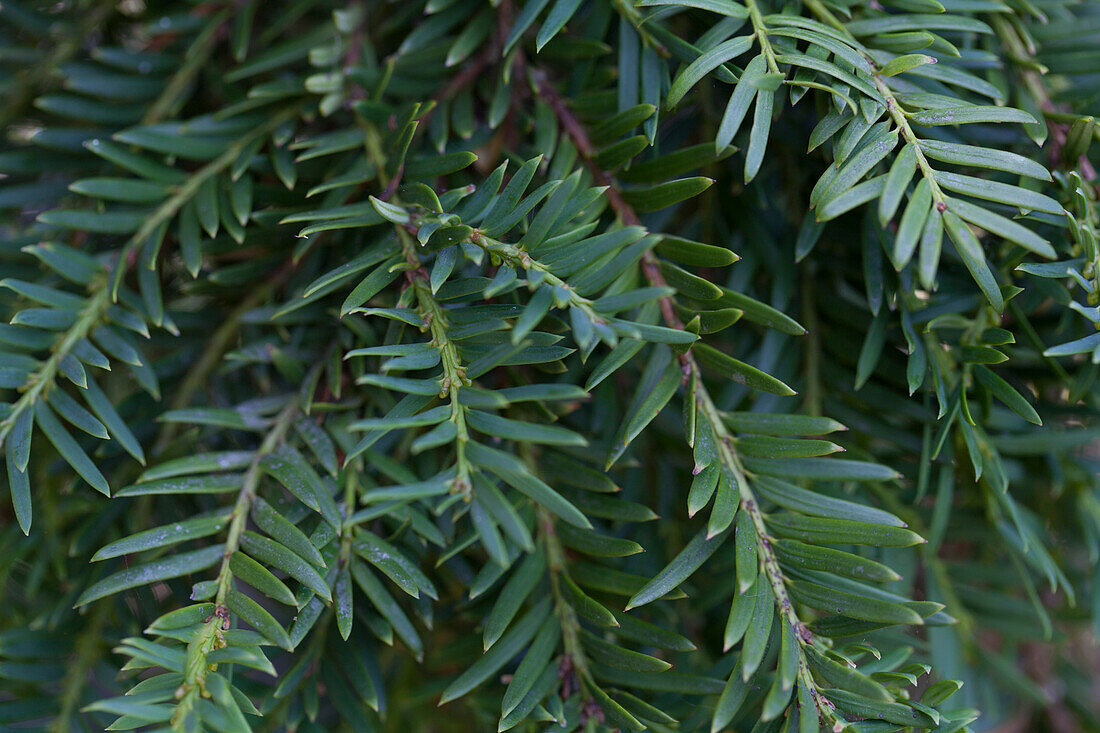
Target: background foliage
<point>363,358</point>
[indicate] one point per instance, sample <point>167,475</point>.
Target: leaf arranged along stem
<point>591,366</point>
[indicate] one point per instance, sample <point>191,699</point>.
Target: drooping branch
<point>769,562</point>
<point>210,637</point>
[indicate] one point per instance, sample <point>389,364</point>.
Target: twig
<point>625,212</point>
<point>769,562</point>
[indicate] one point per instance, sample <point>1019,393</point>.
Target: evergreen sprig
<point>491,355</point>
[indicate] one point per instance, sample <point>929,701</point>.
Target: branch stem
<point>520,259</point>
<point>210,637</point>
<point>769,562</point>
<point>567,617</point>
<point>893,106</point>
<point>435,320</point>
<point>189,188</point>
<point>760,30</point>
<point>41,381</point>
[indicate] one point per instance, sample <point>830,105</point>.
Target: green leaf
<point>75,414</point>
<point>758,135</point>
<point>516,475</point>
<point>843,676</point>
<point>395,564</point>
<point>73,454</point>
<point>129,190</point>
<point>385,604</point>
<point>371,285</point>
<point>742,611</point>
<point>201,463</point>
<point>658,383</point>
<point>910,21</point>
<point>141,712</point>
<point>619,154</point>
<point>857,195</point>
<point>738,106</point>
<point>864,608</point>
<point>258,618</point>
<point>527,575</point>
<point>702,489</point>
<point>167,535</point>
<point>499,655</point>
<point>970,251</point>
<point>154,571</point>
<point>745,554</point>
<point>438,165</point>
<point>897,181</point>
<point>759,312</point>
<point>107,222</point>
<point>969,115</point>
<point>677,163</point>
<point>614,127</point>
<point>690,75</point>
<point>912,224</point>
<point>827,559</point>
<point>740,372</point>
<point>116,426</point>
<point>1079,346</point>
<point>830,69</point>
<point>876,145</point>
<point>20,487</point>
<point>1002,227</point>
<point>260,578</point>
<point>447,236</point>
<point>648,634</point>
<point>686,562</point>
<point>287,466</point>
<point>689,285</point>
<point>930,243</point>
<point>592,543</point>
<point>730,701</point>
<point>586,606</point>
<point>726,501</point>
<point>390,212</point>
<point>283,531</point>
<point>612,655</point>
<point>666,194</point>
<point>278,556</point>
<point>824,469</point>
<point>871,350</point>
<point>778,424</point>
<point>535,662</point>
<point>999,192</point>
<point>214,484</point>
<point>523,21</point>
<point>901,64</point>
<point>1003,391</point>
<point>616,714</point>
<point>817,531</point>
<point>19,440</point>
<point>816,504</point>
<point>979,157</point>
<point>556,19</point>
<point>687,252</point>
<point>722,7</point>
<point>891,712</point>
<point>344,606</point>
<point>523,432</point>
<point>222,417</point>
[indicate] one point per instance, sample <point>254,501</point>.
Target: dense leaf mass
<point>571,365</point>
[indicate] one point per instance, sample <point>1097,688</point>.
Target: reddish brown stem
<point>619,205</point>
